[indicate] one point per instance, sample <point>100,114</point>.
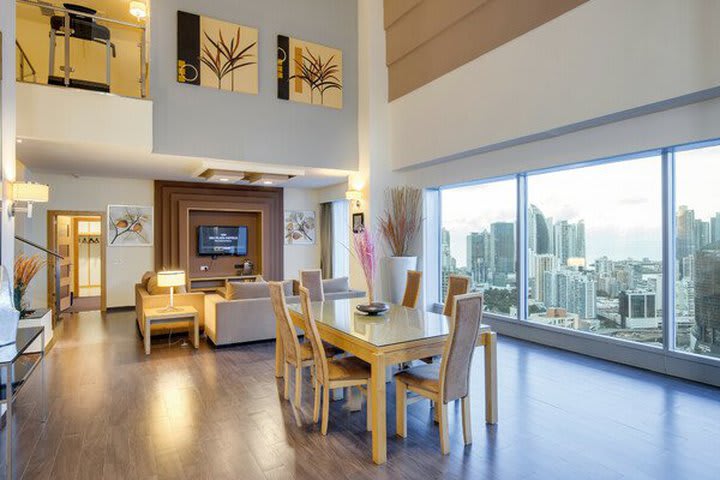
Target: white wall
<point>7,132</point>
<point>301,257</point>
<point>603,57</point>
<point>125,265</point>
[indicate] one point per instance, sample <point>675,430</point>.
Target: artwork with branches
<point>309,73</point>
<point>130,226</point>
<point>217,54</point>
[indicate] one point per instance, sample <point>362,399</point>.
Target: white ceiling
<point>107,161</point>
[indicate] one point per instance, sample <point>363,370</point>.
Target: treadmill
<point>82,27</point>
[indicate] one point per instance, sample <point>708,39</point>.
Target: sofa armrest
<point>344,295</point>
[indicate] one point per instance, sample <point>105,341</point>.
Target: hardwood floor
<point>216,414</point>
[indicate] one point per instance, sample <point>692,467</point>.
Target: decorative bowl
<point>373,309</point>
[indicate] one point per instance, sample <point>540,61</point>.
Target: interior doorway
<point>80,237</point>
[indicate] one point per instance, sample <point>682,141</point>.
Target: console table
<point>17,364</point>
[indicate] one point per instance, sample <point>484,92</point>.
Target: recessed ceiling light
<point>19,140</point>
<point>224,179</point>
<point>267,182</point>
<point>223,176</point>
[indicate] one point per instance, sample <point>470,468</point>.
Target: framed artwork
<point>358,222</point>
<point>216,54</point>
<point>309,73</point>
<point>300,227</point>
<point>130,226</point>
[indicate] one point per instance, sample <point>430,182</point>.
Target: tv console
<point>214,284</point>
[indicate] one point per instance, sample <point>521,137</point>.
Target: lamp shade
<point>31,192</point>
<point>138,9</point>
<point>171,278</point>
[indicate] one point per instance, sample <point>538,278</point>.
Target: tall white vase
<point>395,276</point>
<point>9,317</point>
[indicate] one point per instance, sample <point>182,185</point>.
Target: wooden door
<point>64,244</point>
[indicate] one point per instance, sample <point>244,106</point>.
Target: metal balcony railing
<point>24,65</point>
<point>53,258</point>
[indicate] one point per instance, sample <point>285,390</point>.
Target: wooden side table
<point>162,315</point>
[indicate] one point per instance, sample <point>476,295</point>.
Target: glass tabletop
<point>25,336</point>
<point>398,325</point>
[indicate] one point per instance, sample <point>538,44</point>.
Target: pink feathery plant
<point>365,250</point>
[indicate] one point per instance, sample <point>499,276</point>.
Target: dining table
<point>398,336</point>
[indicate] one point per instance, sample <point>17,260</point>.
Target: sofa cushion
<point>145,278</point>
<point>153,289</point>
<point>248,290</point>
<point>336,285</point>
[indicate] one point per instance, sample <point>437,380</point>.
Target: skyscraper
<point>538,231</point>
<point>569,240</point>
<point>706,334</point>
<point>702,233</point>
<point>686,243</point>
<point>502,247</point>
<point>478,246</point>
<point>543,263</point>
<point>715,228</point>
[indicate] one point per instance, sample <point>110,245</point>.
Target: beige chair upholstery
<point>412,289</point>
<point>457,285</point>
<point>312,280</point>
<point>451,379</point>
<point>330,374</point>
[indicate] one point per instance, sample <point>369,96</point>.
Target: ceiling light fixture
<point>258,178</point>
<point>19,140</point>
<point>223,176</point>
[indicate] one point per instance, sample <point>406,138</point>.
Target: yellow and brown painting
<point>309,73</point>
<point>217,54</point>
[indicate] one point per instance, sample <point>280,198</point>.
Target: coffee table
<point>163,315</point>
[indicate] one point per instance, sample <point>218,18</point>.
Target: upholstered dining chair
<point>451,379</point>
<point>334,373</point>
<point>312,280</point>
<point>412,289</point>
<point>457,285</point>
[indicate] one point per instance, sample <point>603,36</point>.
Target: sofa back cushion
<point>145,278</point>
<point>248,290</point>
<point>153,289</point>
<point>336,285</point>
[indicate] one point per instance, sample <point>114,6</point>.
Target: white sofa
<point>245,314</point>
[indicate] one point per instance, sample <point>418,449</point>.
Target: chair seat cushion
<point>307,354</point>
<point>348,368</point>
<point>425,377</point>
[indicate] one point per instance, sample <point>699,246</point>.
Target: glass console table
<point>17,364</point>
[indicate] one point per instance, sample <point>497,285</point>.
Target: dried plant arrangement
<point>402,220</point>
<point>25,270</point>
<point>365,251</point>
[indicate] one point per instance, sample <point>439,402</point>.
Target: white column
<point>7,129</point>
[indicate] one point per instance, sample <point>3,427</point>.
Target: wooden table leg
<point>279,354</point>
<point>491,408</point>
<point>196,328</point>
<point>147,336</point>
<point>379,401</point>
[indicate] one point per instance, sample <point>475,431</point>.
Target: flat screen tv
<point>220,240</point>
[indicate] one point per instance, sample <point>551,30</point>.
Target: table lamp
<point>172,279</point>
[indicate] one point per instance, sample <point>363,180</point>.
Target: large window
<point>595,249</point>
<point>697,251</point>
<point>478,240</point>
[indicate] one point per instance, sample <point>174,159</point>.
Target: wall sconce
<point>355,197</point>
<point>28,193</point>
<point>138,10</point>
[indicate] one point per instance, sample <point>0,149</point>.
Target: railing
<point>56,264</point>
<point>24,60</point>
<point>89,30</point>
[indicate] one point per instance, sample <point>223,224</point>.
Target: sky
<point>620,203</point>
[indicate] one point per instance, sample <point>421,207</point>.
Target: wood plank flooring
<point>218,414</point>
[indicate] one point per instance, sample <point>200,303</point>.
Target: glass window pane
<point>595,249</point>
<point>697,259</point>
<point>478,240</point>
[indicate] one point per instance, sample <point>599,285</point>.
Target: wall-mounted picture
<point>309,73</point>
<point>300,227</point>
<point>216,54</point>
<point>358,222</point>
<point>130,226</point>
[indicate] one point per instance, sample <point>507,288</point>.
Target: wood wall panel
<point>435,37</point>
<point>174,201</point>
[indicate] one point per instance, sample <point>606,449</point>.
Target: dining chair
<point>334,373</point>
<point>412,289</point>
<point>451,379</point>
<point>312,280</point>
<point>457,285</point>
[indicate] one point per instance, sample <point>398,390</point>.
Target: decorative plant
<point>226,58</point>
<point>25,270</point>
<point>401,222</point>
<point>318,74</point>
<point>364,249</point>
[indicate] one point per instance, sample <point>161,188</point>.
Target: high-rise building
<point>638,309</point>
<point>502,247</point>
<point>538,231</point>
<point>542,264</point>
<point>706,334</point>
<point>686,231</point>
<point>478,246</point>
<point>569,240</point>
<point>573,291</point>
<point>702,233</point>
<point>715,228</point>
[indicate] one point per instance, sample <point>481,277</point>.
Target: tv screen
<point>219,240</point>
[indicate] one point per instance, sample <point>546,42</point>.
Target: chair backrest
<point>312,280</point>
<point>457,285</point>
<point>291,345</point>
<point>460,346</point>
<point>311,332</point>
<point>412,289</point>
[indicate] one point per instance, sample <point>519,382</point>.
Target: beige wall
<point>301,257</point>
